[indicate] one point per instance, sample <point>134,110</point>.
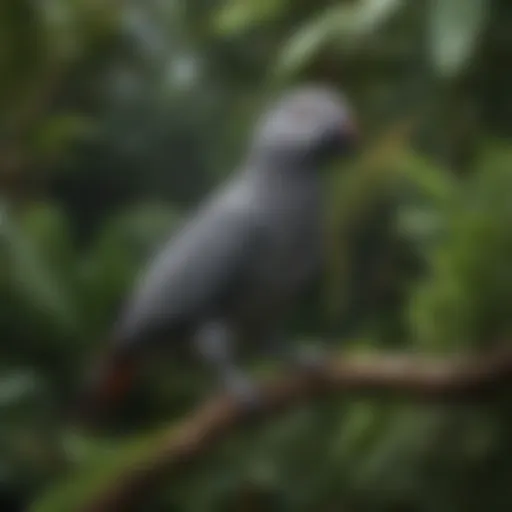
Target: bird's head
<point>311,124</point>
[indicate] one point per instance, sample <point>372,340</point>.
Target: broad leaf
<point>348,25</point>
<point>455,27</point>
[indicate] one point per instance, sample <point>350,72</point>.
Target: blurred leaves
<point>112,152</point>
<point>456,27</point>
<point>347,25</point>
<point>57,133</point>
<point>465,301</point>
<point>105,461</point>
<point>236,16</point>
<point>32,277</point>
<point>108,269</point>
<point>15,387</point>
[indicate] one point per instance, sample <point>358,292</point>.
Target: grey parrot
<point>238,266</point>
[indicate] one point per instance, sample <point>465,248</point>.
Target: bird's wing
<point>190,277</point>
<point>194,272</point>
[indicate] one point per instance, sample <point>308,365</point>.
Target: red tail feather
<point>106,388</point>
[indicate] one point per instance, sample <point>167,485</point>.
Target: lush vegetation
<point>117,117</point>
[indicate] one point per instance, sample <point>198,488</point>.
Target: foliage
<point>118,116</point>
<point>465,300</point>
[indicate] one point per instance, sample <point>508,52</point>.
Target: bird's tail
<point>110,380</point>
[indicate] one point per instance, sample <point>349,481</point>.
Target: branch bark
<point>472,378</point>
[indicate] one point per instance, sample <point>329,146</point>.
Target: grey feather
<point>245,257</point>
<point>195,271</point>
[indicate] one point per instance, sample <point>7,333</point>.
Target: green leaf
<point>105,464</point>
<point>16,386</point>
<point>57,132</point>
<point>122,247</point>
<point>432,180</point>
<point>35,279</point>
<point>466,299</point>
<point>455,27</point>
<point>237,16</point>
<point>348,25</point>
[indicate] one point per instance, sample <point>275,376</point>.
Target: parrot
<point>239,263</point>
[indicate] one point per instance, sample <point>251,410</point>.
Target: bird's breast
<point>290,261</point>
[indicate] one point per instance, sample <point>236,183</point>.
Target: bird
<point>241,261</point>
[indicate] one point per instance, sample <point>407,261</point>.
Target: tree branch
<point>456,379</point>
